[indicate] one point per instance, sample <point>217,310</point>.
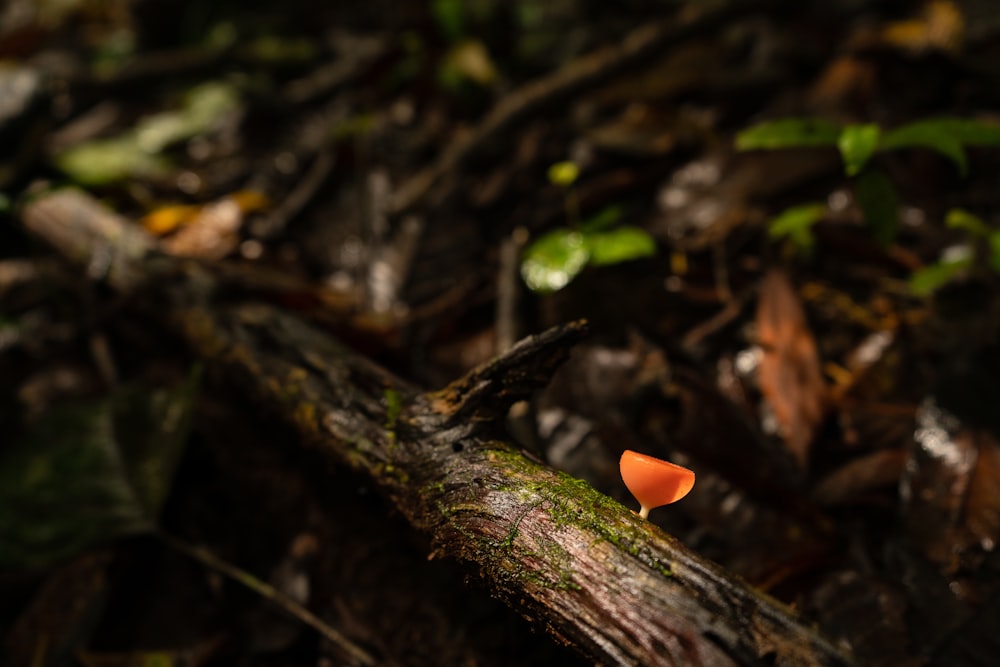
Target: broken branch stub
<point>568,558</point>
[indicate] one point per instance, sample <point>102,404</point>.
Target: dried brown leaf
<point>847,81</point>
<point>790,375</point>
<point>210,233</point>
<point>940,27</point>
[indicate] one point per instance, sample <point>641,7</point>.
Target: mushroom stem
<point>644,512</point>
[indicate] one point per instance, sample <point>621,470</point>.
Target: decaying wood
<point>571,560</point>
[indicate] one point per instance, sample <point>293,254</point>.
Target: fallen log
<point>569,559</point>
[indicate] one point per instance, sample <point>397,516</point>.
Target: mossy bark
<point>574,562</point>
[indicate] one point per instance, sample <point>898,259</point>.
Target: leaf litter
<point>861,499</point>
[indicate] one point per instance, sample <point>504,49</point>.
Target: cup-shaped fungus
<point>654,482</point>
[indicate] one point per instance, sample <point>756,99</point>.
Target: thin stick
<point>357,654</point>
<point>581,74</point>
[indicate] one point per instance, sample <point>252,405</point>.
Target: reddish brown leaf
<point>847,81</point>
<point>790,375</point>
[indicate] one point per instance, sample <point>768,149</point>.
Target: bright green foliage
<point>979,233</point>
<point>927,280</point>
<point>203,106</point>
<point>947,136</point>
<point>857,143</point>
<point>874,192</point>
<point>138,152</point>
<point>918,136</point>
<point>564,173</point>
<point>958,218</point>
<point>796,224</point>
<point>877,198</point>
<point>552,261</point>
<point>969,132</point>
<point>789,133</point>
<point>619,245</point>
<point>983,244</point>
<point>105,161</point>
<point>90,472</point>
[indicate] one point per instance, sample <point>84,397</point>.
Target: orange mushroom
<point>654,482</point>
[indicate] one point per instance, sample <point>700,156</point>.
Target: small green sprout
<point>564,173</point>
<point>555,258</point>
<point>981,247</point>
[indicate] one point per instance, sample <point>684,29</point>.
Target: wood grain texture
<point>574,562</point>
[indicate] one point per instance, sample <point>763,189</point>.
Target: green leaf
<point>961,219</point>
<point>90,472</point>
<point>619,245</point>
<point>857,143</point>
<point>104,161</point>
<point>136,153</point>
<point>789,133</point>
<point>203,106</point>
<point>796,223</point>
<point>933,276</point>
<point>564,173</point>
<point>966,131</point>
<point>972,132</point>
<point>553,260</point>
<point>946,136</point>
<point>877,198</point>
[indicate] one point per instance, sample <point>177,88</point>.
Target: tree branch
<point>570,559</point>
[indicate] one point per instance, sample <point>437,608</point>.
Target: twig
<point>304,191</point>
<point>572,560</point>
<point>508,286</point>
<point>730,311</point>
<point>586,72</point>
<point>357,655</point>
<point>357,54</point>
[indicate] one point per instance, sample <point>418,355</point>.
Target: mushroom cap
<point>653,481</point>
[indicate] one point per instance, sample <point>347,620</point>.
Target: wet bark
<point>571,560</point>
